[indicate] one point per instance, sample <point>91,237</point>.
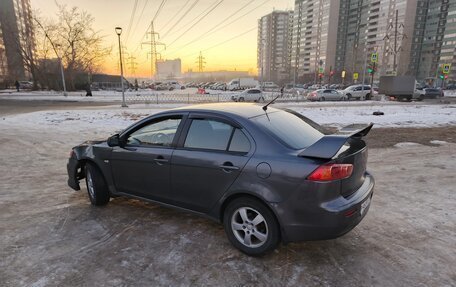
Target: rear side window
<point>289,129</point>
<point>215,135</point>
<point>239,142</point>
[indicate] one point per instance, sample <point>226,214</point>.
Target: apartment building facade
<point>16,39</point>
<point>411,37</point>
<point>274,32</point>
<point>314,35</point>
<point>433,40</point>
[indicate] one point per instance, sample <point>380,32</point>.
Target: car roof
<point>244,110</point>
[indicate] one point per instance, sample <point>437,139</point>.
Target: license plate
<point>365,204</point>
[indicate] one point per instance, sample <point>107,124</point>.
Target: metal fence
<point>189,98</point>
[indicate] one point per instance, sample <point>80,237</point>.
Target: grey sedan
<point>267,175</point>
<point>326,95</point>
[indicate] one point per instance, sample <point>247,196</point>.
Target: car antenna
<point>265,107</point>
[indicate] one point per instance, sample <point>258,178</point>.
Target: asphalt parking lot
<point>51,235</point>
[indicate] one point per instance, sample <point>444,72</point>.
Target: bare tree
<point>80,46</point>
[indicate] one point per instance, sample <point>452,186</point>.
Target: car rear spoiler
<point>328,146</point>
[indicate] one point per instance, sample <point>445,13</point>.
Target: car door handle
<point>160,160</point>
<point>228,166</point>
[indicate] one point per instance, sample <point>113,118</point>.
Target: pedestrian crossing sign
<point>374,58</point>
<point>446,68</point>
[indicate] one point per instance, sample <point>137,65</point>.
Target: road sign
<point>446,68</point>
<point>343,74</point>
<point>321,70</point>
<point>355,76</point>
<point>374,57</point>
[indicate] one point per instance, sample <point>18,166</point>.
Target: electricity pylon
<point>153,48</point>
<point>200,61</point>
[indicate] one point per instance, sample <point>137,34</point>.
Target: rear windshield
<point>288,128</point>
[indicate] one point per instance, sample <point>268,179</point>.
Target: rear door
<point>210,156</point>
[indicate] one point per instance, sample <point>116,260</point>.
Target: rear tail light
<point>329,172</point>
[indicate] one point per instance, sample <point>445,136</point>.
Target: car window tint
<point>159,133</point>
<point>239,142</point>
<point>208,134</point>
<point>289,129</point>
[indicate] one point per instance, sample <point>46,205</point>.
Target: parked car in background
<point>358,92</point>
<point>432,93</point>
<point>250,95</point>
<point>27,85</point>
<point>326,95</point>
<point>267,175</point>
<point>451,87</point>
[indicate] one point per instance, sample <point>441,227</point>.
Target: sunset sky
<point>239,53</point>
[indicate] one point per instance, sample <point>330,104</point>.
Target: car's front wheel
<point>96,185</point>
<point>251,226</point>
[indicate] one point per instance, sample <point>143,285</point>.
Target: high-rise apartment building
<point>433,40</point>
<point>274,46</point>
<point>411,37</point>
<point>16,38</point>
<point>315,25</point>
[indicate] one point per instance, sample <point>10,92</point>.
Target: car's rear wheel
<point>241,99</point>
<point>96,185</point>
<point>349,96</point>
<point>251,226</point>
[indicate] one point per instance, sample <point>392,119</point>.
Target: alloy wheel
<point>249,227</point>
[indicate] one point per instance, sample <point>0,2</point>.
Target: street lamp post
<point>119,32</point>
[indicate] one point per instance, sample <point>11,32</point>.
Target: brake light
<point>333,171</point>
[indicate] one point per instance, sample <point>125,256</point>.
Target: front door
<point>210,159</point>
<point>142,166</point>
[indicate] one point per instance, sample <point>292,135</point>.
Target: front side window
<point>158,133</point>
<point>215,135</point>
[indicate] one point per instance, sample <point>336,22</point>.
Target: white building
<point>168,69</point>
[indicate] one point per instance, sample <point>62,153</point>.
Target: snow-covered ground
<point>113,118</point>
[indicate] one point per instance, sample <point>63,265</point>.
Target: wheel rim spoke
<point>257,220</point>
<point>260,236</point>
<point>243,214</point>
<point>248,239</point>
<point>236,226</point>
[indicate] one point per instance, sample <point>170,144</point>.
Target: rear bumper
<point>329,220</point>
<point>72,169</point>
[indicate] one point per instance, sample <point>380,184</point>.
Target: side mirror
<point>114,140</point>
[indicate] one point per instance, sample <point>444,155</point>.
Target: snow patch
<point>406,144</point>
<point>437,142</point>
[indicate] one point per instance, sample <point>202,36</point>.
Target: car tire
<point>241,99</point>
<point>349,97</point>
<point>97,188</point>
<point>368,97</point>
<point>251,226</point>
